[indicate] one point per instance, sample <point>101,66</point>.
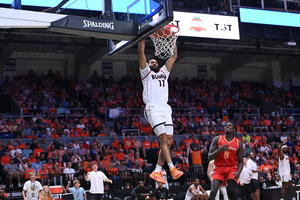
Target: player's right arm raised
<point>214,150</point>
<point>142,57</point>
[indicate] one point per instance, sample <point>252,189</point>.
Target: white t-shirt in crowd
<point>245,175</point>
<point>71,172</point>
<point>96,179</point>
<point>266,148</point>
<point>81,126</point>
<point>253,166</point>
<point>12,152</point>
<point>76,146</point>
<point>282,138</point>
<point>32,189</point>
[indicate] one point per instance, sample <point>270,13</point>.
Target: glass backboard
<point>150,15</point>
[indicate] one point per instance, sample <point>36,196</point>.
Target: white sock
<point>158,168</point>
<point>170,164</point>
<point>294,198</point>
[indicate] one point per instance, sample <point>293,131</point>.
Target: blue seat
<point>7,136</point>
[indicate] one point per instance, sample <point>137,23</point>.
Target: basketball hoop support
<point>107,12</point>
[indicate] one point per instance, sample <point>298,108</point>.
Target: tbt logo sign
<point>207,26</point>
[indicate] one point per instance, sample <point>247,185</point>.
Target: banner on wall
<point>10,65</point>
<point>202,71</point>
<point>107,68</point>
<point>207,26</point>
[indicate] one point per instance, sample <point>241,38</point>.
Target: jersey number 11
<point>161,83</point>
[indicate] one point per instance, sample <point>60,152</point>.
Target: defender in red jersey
<point>227,151</point>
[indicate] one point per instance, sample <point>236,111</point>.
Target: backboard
<point>150,15</point>
<point>132,20</point>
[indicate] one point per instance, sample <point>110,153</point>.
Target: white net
<point>164,41</point>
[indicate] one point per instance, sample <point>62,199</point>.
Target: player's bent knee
<point>163,138</point>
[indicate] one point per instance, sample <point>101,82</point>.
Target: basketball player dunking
<point>227,151</point>
<point>157,112</point>
<point>285,171</point>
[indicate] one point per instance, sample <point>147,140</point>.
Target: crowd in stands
<point>128,157</point>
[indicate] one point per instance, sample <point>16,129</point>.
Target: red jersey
<point>227,158</point>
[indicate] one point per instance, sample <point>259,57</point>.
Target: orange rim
<point>163,29</point>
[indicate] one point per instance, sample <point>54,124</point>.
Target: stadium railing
<point>121,179</point>
<point>45,111</point>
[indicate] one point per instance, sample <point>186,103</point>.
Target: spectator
<point>122,167</point>
<point>141,193</point>
<point>38,164</point>
<point>33,145</point>
<point>13,171</point>
<point>32,193</point>
<point>295,179</point>
<point>247,137</point>
<point>37,152</point>
<point>265,150</point>
<point>127,141</point>
<point>43,174</point>
<point>107,195</point>
<point>278,181</point>
<point>196,160</point>
<point>244,180</point>
<point>146,168</point>
<point>12,152</point>
<point>28,169</point>
<point>254,181</point>
<point>77,191</point>
<point>81,151</point>
<point>21,145</point>
<point>27,151</point>
<point>44,145</point>
<point>161,193</point>
<point>46,193</point>
<point>283,137</point>
<point>69,172</point>
<point>5,159</point>
<point>96,178</point>
<point>260,159</point>
<point>3,195</point>
<point>270,182</point>
<point>113,172</point>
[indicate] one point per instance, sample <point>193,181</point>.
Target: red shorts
<point>224,173</point>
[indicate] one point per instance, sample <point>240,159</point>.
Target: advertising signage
<point>269,17</point>
<point>207,26</point>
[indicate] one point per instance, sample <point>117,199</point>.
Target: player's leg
<point>215,184</point>
<point>203,197</point>
<point>195,198</point>
<point>155,118</point>
<point>282,192</point>
<point>255,188</point>
<point>218,195</point>
<point>175,173</point>
<point>291,190</point>
<point>224,192</point>
<point>231,189</point>
<point>247,191</point>
<point>229,173</point>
